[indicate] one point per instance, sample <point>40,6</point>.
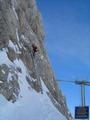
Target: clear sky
<point>67,40</point>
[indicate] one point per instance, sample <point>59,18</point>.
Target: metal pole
<point>83,94</point>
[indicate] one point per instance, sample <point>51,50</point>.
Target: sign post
<point>82,112</point>
<point>83,94</point>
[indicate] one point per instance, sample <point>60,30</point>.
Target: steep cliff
<point>24,65</point>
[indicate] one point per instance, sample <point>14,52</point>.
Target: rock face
<point>20,28</point>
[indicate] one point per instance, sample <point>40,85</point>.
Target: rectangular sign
<point>82,112</point>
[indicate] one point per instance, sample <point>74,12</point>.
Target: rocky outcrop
<point>20,27</point>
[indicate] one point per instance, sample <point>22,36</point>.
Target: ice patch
<point>15,13</point>
<point>18,38</point>
<point>44,88</point>
<point>1,82</point>
<point>14,47</point>
<point>23,37</point>
<point>11,45</point>
<point>42,57</point>
<point>4,58</point>
<point>22,76</point>
<point>17,34</point>
<point>9,77</point>
<point>3,71</point>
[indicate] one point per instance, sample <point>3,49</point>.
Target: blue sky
<point>67,40</point>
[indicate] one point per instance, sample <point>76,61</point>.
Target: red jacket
<point>35,48</point>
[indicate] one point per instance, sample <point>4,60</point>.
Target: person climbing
<point>34,48</point>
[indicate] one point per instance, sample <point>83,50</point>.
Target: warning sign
<point>82,112</point>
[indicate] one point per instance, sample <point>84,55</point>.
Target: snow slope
<point>30,106</point>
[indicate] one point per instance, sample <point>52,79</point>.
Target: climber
<point>34,48</point>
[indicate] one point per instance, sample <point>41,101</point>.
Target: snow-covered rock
<point>28,89</point>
